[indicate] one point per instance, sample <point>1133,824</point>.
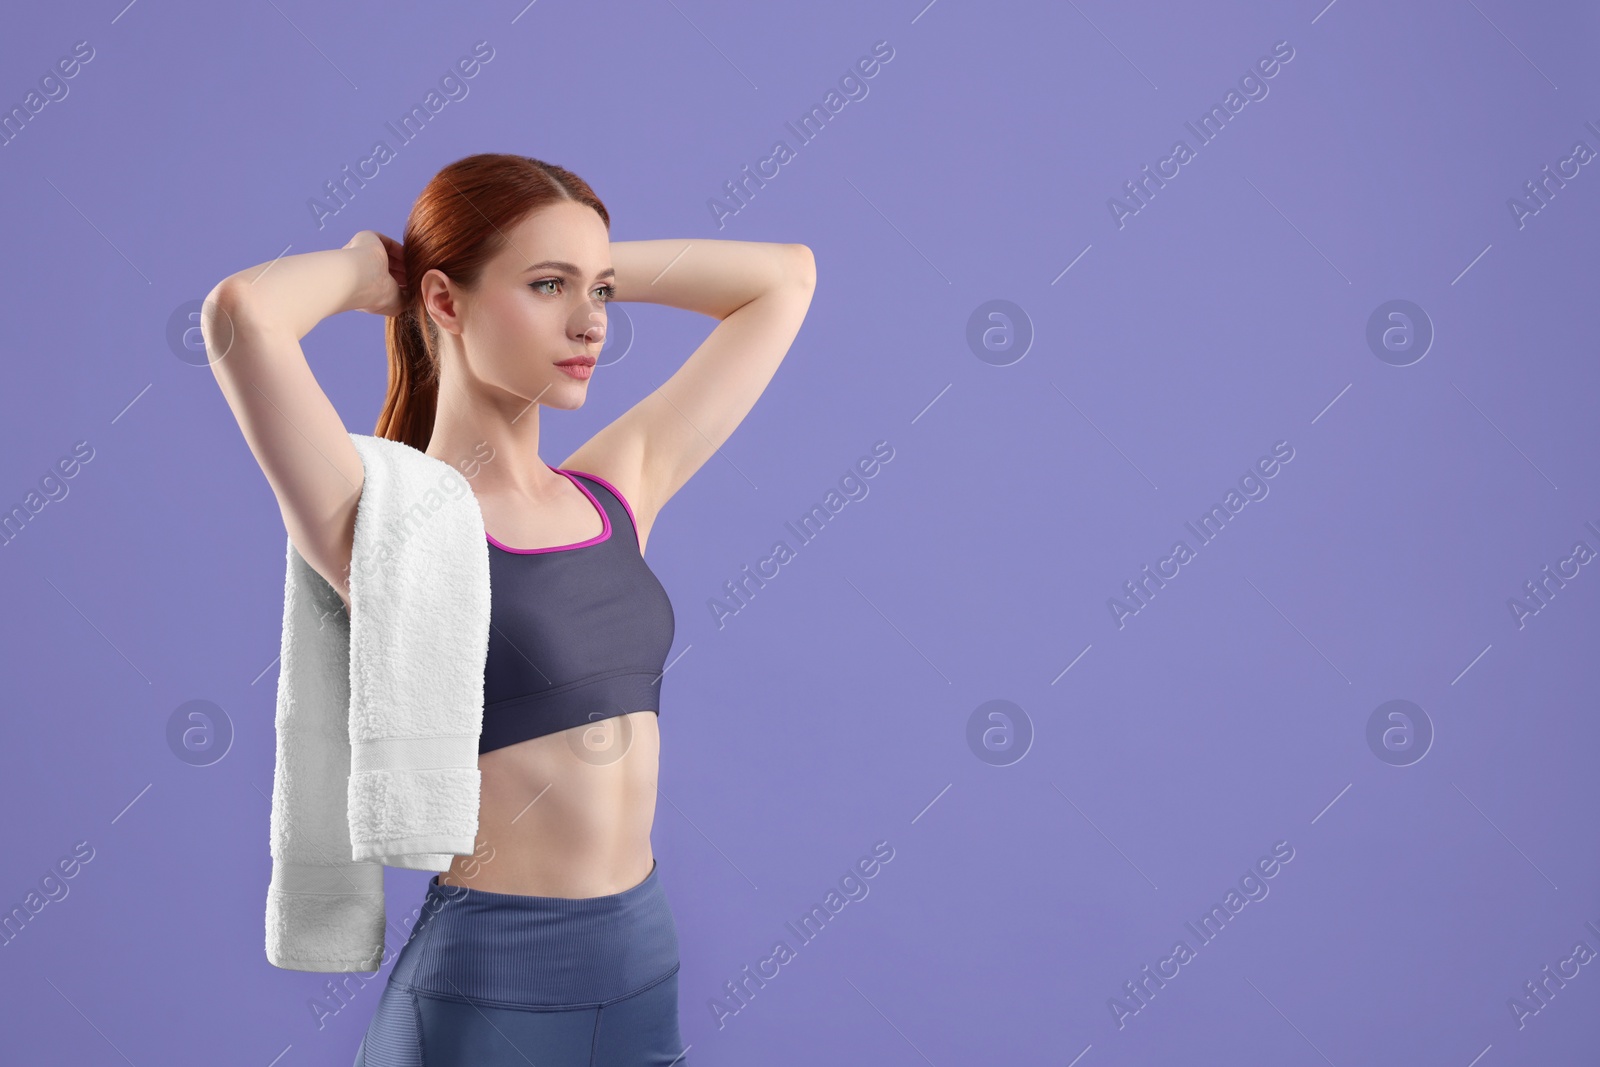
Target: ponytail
<point>413,394</point>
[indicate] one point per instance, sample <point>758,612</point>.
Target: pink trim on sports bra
<point>614,492</point>
<point>605,519</point>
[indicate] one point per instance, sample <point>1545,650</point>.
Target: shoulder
<point>401,458</point>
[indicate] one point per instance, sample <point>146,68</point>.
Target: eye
<point>605,293</point>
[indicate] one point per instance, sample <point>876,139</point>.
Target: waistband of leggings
<point>524,904</point>
<point>516,950</point>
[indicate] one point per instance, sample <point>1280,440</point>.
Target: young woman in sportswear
<point>552,943</point>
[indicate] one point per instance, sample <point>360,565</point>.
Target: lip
<point>579,368</point>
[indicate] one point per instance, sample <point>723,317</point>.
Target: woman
<point>552,943</point>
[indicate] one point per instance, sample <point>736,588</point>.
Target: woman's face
<point>540,301</point>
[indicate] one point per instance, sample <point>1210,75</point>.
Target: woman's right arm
<point>252,323</point>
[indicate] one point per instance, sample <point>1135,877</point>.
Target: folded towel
<point>379,711</point>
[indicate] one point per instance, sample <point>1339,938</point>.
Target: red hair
<point>457,225</point>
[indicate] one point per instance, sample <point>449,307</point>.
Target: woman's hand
<point>385,280</point>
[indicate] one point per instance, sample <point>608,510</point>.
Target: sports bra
<point>578,632</point>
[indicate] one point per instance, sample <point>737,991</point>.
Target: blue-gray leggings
<point>501,978</point>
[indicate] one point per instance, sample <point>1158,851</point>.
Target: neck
<point>493,440</point>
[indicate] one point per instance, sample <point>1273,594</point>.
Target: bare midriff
<point>567,814</point>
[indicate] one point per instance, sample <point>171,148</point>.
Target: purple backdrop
<point>1352,721</point>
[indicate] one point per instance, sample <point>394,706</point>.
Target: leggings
<point>490,979</point>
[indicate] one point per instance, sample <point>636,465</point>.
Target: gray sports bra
<point>577,633</point>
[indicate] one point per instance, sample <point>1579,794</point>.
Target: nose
<point>590,325</point>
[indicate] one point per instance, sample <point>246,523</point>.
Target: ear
<point>439,300</point>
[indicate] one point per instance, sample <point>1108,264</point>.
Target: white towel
<point>379,711</point>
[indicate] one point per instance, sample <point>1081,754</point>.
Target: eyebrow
<point>569,268</point>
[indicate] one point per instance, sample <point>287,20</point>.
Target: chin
<point>566,395</point>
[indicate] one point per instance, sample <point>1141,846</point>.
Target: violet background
<point>832,711</point>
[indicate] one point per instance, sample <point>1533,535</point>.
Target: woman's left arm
<point>760,292</point>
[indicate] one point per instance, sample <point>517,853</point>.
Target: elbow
<point>228,295</point>
<point>226,299</point>
<point>221,314</point>
<point>802,268</point>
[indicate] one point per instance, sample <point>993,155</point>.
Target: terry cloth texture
<point>379,711</point>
